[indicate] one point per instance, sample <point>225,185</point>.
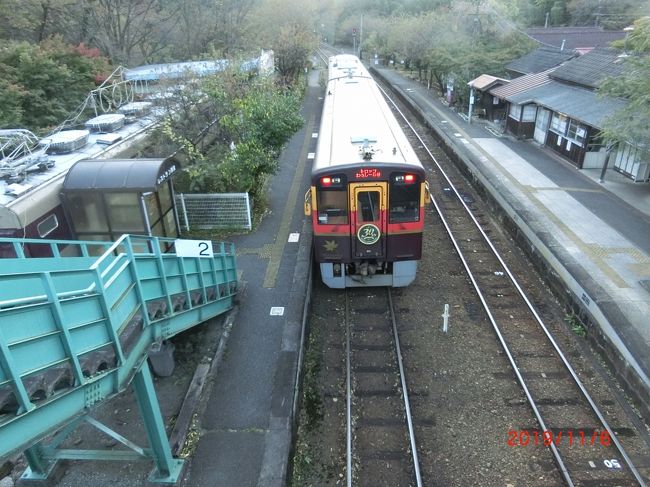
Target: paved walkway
<point>247,425</point>
<point>595,236</point>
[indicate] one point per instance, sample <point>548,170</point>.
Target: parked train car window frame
<point>333,206</point>
<point>47,226</point>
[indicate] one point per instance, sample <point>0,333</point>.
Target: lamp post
<point>471,103</point>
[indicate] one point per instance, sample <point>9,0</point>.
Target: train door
<point>368,208</point>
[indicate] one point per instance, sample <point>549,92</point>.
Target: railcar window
<point>368,206</point>
<point>404,203</point>
<point>47,226</point>
<point>333,207</point>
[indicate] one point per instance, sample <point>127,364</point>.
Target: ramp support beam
<point>168,469</point>
<point>42,457</point>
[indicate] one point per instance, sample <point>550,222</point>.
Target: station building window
<point>569,128</point>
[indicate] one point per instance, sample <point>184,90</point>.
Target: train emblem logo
<point>368,234</point>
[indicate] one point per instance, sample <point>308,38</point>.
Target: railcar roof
<point>63,162</point>
<point>355,115</point>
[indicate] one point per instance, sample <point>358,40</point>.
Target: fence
<point>211,211</point>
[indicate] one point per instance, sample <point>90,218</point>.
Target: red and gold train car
<point>368,188</point>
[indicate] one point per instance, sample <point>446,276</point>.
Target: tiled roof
<point>521,84</point>
<point>540,60</point>
<point>591,69</point>
<point>577,103</point>
<point>486,81</point>
<point>575,37</point>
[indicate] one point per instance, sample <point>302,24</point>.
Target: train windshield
<point>333,206</point>
<point>368,206</point>
<point>404,203</point>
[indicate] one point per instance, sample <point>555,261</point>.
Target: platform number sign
<point>193,248</point>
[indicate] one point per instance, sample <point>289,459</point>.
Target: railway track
<point>380,441</point>
<point>570,425</point>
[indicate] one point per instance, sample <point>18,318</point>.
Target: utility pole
<point>608,151</point>
<point>471,102</point>
<point>360,35</point>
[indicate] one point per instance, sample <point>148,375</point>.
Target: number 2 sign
<point>193,248</point>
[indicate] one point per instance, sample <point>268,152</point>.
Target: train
<point>368,188</point>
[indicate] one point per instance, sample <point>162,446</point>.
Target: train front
<point>367,223</point>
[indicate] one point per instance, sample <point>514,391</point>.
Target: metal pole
<point>445,315</point>
<point>168,468</point>
<point>360,35</point>
<point>605,164</point>
<point>471,102</point>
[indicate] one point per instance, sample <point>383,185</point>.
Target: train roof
<point>357,123</point>
<point>12,193</point>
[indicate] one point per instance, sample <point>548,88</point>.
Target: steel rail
<point>405,394</point>
<point>405,397</point>
<point>348,390</point>
<point>522,294</point>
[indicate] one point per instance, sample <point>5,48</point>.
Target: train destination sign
<point>368,234</point>
<point>365,173</point>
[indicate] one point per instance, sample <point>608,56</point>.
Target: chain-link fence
<point>218,210</point>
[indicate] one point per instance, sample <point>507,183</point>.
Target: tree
<point>130,31</point>
<point>290,28</point>
<point>631,123</point>
<point>292,49</point>
<point>42,84</point>
<point>558,13</point>
<point>245,123</point>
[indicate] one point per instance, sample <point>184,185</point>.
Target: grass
<point>576,325</point>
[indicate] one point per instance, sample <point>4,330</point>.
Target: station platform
<point>592,237</point>
<point>246,421</point>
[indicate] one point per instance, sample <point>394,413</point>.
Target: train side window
<point>47,226</point>
<point>404,203</point>
<point>333,207</point>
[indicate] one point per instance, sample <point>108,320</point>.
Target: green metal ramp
<point>75,330</point>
